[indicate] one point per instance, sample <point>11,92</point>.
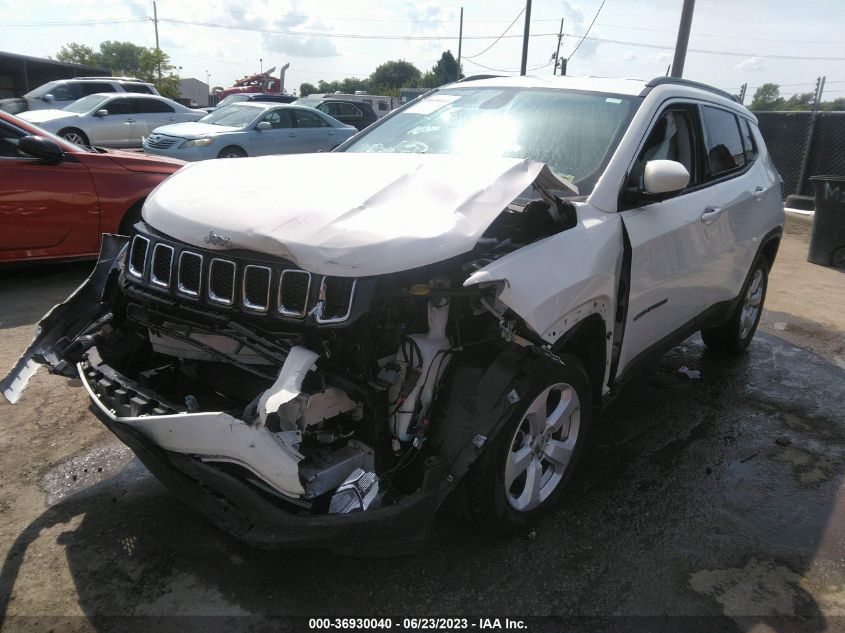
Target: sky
<point>732,41</point>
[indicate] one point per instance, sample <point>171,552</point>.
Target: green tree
<point>306,89</point>
<point>767,97</point>
<point>395,74</point>
<point>446,70</point>
<point>802,101</point>
<point>837,105</point>
<point>126,58</point>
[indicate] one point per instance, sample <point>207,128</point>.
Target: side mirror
<point>264,125</point>
<point>42,148</point>
<point>664,176</point>
<point>102,112</point>
<point>49,98</point>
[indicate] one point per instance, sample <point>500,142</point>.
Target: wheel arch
<point>131,216</point>
<point>588,341</point>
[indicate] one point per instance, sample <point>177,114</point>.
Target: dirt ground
<point>720,498</point>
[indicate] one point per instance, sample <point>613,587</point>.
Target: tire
<point>231,152</point>
<point>515,481</point>
<point>130,218</point>
<point>733,336</point>
<point>74,135</point>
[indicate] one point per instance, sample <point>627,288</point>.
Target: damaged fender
<point>60,335</point>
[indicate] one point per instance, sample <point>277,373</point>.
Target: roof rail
<point>475,77</point>
<point>659,81</point>
<point>135,79</point>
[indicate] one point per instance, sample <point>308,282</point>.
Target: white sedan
<point>112,120</point>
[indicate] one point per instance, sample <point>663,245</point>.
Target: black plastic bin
<point>827,244</point>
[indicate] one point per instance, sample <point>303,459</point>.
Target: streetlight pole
<point>460,41</point>
<point>683,39</point>
<point>525,37</point>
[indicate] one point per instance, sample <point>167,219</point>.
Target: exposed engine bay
<point>341,378</point>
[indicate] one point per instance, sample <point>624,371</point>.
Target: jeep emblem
<point>216,240</point>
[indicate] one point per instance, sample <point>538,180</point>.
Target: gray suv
<point>60,93</point>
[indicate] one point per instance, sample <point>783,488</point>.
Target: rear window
<point>725,151</point>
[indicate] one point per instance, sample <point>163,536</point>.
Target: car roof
<point>140,95</point>
<point>631,87</point>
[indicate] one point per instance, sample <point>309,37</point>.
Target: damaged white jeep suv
<point>431,311</point>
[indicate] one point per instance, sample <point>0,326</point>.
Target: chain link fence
<point>795,137</point>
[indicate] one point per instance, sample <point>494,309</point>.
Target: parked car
<point>57,198</point>
<point>380,104</point>
<point>249,129</point>
<point>264,97</point>
<point>61,93</point>
<point>435,309</point>
<point>357,114</point>
<point>111,120</point>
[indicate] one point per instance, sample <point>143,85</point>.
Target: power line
<point>578,45</point>
<point>75,23</point>
<point>498,39</point>
<point>502,70</point>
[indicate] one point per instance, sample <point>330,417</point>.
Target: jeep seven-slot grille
<point>254,287</point>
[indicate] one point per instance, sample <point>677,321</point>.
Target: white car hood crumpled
<point>343,214</point>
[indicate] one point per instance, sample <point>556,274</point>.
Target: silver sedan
<point>250,129</point>
<point>111,120</point>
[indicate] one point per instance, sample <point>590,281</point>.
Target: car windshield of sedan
<point>86,104</point>
<point>573,132</point>
<point>238,115</point>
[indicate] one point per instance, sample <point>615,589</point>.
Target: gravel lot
<point>721,496</point>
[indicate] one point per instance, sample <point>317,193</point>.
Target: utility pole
<point>460,41</point>
<point>557,52</point>
<point>683,39</point>
<point>158,50</point>
<point>805,161</point>
<point>525,37</point>
<point>742,90</point>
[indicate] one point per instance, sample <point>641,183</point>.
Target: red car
<point>57,198</point>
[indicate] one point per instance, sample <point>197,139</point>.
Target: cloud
<point>294,18</point>
<point>752,64</point>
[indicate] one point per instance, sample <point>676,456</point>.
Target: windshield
<point>573,132</point>
<point>311,103</point>
<point>232,99</point>
<point>238,115</point>
<point>85,104</point>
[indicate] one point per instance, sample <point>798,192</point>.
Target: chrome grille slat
<point>138,256</point>
<point>189,276</point>
<point>161,265</point>
<point>293,296</point>
<point>221,281</point>
<point>336,293</point>
<point>255,290</point>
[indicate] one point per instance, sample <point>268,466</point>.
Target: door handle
<point>130,120</point>
<point>331,133</point>
<point>711,214</point>
<point>758,192</point>
<point>291,134</point>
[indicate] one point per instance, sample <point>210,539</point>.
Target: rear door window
<point>147,106</point>
<point>309,119</point>
<point>723,143</point>
<point>748,141</point>
<point>89,88</point>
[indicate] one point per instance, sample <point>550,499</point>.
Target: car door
<point>118,128</point>
<point>151,114</point>
<point>313,132</point>
<point>46,210</point>
<point>281,138</point>
<point>676,243</point>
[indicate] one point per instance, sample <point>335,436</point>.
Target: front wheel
<point>231,152</point>
<point>734,336</point>
<point>73,135</point>
<point>528,464</point>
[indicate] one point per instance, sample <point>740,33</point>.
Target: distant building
<point>193,92</point>
<point>21,73</point>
